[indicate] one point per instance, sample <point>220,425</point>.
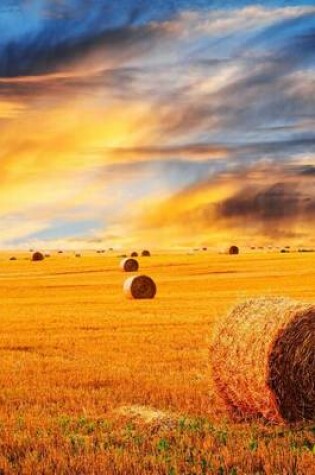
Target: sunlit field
<point>92,382</point>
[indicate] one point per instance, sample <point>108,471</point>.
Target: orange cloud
<point>249,206</point>
<point>10,109</point>
<point>44,151</point>
<point>91,135</point>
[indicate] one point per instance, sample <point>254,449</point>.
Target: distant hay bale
<point>146,253</point>
<point>37,256</point>
<point>47,255</point>
<point>60,252</point>
<point>77,255</point>
<point>140,287</point>
<point>13,258</point>
<point>134,254</point>
<point>234,250</point>
<point>129,265</point>
<point>263,360</point>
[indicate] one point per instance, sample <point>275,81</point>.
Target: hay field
<point>91,382</point>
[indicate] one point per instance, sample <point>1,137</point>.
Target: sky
<point>164,124</point>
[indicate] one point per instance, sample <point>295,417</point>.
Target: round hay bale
<point>140,287</point>
<point>146,253</point>
<point>234,250</point>
<point>38,256</point>
<point>77,255</point>
<point>263,360</point>
<point>13,258</point>
<point>129,265</point>
<point>134,254</point>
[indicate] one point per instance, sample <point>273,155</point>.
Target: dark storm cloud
<point>275,202</point>
<point>308,170</point>
<point>280,201</point>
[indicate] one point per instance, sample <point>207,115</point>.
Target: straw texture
<point>263,360</point>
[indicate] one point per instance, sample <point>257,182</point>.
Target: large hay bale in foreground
<point>234,250</point>
<point>129,265</point>
<point>38,256</point>
<point>140,287</point>
<point>263,360</point>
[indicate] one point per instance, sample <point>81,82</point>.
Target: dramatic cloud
<point>173,122</point>
<point>248,203</point>
<point>281,201</point>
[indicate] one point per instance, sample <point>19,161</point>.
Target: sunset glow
<point>170,125</point>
